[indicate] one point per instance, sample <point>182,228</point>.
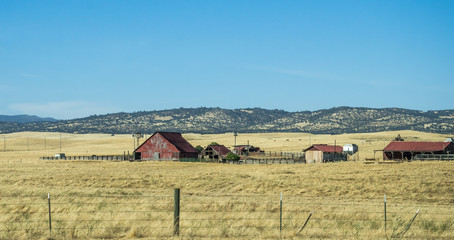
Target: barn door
<point>156,156</point>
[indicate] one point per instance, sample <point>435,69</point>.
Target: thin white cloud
<point>62,110</point>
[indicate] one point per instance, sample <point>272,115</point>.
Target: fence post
<point>50,217</point>
<point>176,213</point>
<point>305,223</point>
<point>385,213</point>
<point>401,234</point>
<point>280,216</point>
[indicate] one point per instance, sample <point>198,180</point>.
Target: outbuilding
<point>215,152</point>
<point>397,150</point>
<point>319,153</point>
<point>165,146</point>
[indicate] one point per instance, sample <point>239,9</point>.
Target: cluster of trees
<point>217,120</point>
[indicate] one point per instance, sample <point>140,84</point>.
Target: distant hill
<point>217,120</point>
<point>24,119</point>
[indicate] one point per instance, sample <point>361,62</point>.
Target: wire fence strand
<point>218,216</point>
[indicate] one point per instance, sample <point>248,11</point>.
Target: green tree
<point>199,148</point>
<point>232,157</point>
<point>214,143</point>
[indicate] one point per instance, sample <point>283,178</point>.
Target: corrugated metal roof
<point>178,141</point>
<point>221,149</point>
<point>325,148</point>
<point>398,146</point>
<point>239,148</point>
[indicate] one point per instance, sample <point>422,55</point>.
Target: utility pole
<point>310,137</point>
<point>235,134</point>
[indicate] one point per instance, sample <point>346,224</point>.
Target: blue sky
<point>68,59</point>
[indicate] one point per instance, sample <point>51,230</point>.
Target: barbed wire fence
<point>80,215</point>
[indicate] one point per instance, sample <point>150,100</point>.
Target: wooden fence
<point>92,157</point>
<point>434,157</point>
<point>274,155</point>
<point>273,161</point>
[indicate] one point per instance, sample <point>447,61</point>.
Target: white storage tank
<point>350,148</point>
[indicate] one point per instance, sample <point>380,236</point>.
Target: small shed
<point>215,152</point>
<point>165,146</point>
<point>319,153</point>
<point>397,150</point>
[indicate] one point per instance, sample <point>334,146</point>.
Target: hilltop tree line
<point>251,120</point>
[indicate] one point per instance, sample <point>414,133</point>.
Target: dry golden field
<point>134,200</point>
<point>28,146</point>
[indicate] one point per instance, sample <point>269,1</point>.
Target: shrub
<point>199,148</point>
<point>232,157</point>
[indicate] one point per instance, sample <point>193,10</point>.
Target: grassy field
<point>28,146</point>
<point>129,200</point>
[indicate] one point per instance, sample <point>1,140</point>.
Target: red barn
<point>165,146</point>
<point>408,150</point>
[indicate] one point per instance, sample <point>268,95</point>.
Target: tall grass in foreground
<point>113,200</point>
<point>98,216</point>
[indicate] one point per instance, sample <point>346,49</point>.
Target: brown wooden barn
<point>215,152</point>
<point>319,153</point>
<point>165,146</point>
<point>397,150</point>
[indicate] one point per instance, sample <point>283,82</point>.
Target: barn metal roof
<point>398,146</point>
<point>325,148</point>
<point>178,141</point>
<point>221,149</point>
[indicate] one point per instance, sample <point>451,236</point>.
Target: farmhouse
<point>165,146</point>
<point>397,150</point>
<point>319,153</point>
<point>215,152</point>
